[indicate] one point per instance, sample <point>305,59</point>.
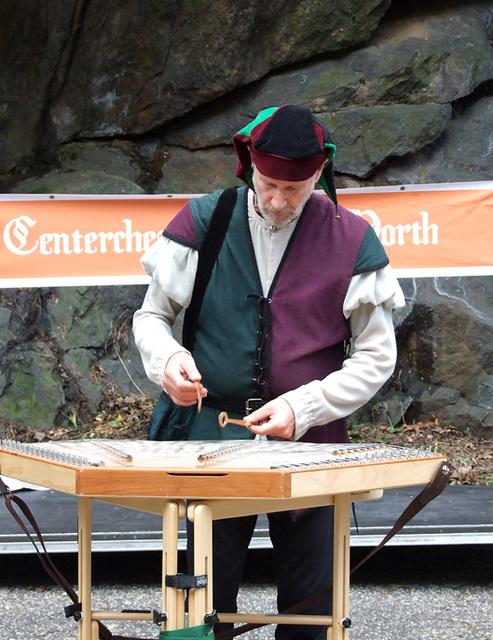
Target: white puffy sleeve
<point>172,268</point>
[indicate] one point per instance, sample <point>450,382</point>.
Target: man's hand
<point>179,377</point>
<point>276,418</point>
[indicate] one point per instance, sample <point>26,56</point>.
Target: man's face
<point>280,202</point>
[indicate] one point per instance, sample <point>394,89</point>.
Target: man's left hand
<point>275,418</point>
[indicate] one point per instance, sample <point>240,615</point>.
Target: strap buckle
<point>74,610</point>
<point>252,404</point>
<point>183,581</point>
<point>159,617</point>
<point>211,618</point>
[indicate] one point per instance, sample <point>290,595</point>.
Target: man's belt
<point>240,407</point>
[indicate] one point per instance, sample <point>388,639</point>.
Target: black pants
<point>302,555</point>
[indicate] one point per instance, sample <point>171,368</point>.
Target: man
<point>298,277</point>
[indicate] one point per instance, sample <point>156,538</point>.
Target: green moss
<point>34,393</point>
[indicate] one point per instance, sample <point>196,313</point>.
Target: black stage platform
<point>460,515</point>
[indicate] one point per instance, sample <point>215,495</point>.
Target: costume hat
<point>286,143</point>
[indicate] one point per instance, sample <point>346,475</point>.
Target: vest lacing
<point>262,357</point>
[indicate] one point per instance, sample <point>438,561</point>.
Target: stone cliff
<point>143,97</point>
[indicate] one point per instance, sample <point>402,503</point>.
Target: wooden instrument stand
<point>268,477</point>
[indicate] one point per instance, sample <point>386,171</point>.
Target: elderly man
<point>297,280</point>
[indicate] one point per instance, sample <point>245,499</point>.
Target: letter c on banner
<point>18,229</point>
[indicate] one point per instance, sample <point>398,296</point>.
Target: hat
<point>286,143</point>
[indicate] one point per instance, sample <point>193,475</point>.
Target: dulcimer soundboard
<point>215,469</point>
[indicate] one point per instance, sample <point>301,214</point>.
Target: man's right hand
<point>179,377</point>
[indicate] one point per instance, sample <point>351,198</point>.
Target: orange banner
<point>430,230</point>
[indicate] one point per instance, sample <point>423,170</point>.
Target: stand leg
<point>342,518</point>
<point>85,525</point>
<point>95,630</point>
<point>200,600</point>
<point>173,599</point>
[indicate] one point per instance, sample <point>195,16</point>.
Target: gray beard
<point>280,219</point>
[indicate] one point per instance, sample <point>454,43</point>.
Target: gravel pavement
<point>400,594</point>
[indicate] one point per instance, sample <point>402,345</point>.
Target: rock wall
<point>143,97</point>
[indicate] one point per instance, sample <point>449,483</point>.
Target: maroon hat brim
<point>287,169</point>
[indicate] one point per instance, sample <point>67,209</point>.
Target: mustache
<point>279,212</point>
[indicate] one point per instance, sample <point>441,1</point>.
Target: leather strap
<point>48,565</point>
<point>44,557</point>
<point>241,407</point>
<point>231,406</point>
<point>434,488</point>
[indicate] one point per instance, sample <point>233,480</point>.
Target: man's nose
<point>278,201</point>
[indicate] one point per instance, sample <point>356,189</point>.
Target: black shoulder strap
<point>209,251</point>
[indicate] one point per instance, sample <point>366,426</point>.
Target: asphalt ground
<point>402,593</point>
